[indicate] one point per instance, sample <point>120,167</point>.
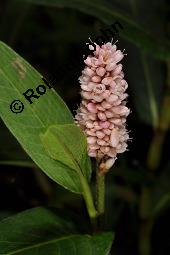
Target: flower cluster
<point>102,112</point>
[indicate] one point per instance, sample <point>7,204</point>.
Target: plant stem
<point>100,183</point>
<point>88,199</point>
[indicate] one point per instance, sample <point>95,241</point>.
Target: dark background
<point>53,38</point>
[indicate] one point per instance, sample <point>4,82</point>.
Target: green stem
<point>100,183</point>
<point>88,199</point>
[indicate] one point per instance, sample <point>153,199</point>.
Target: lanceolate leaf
<point>16,77</point>
<point>131,31</point>
<point>40,232</point>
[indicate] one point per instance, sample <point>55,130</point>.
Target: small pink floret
<point>92,107</point>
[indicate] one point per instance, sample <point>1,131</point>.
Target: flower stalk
<point>100,190</point>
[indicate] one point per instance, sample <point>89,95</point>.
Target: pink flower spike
<point>102,112</point>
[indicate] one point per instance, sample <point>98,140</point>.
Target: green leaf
<point>16,77</point>
<point>41,231</point>
<point>132,31</point>
<point>68,145</point>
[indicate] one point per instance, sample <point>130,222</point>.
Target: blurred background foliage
<point>51,35</point>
